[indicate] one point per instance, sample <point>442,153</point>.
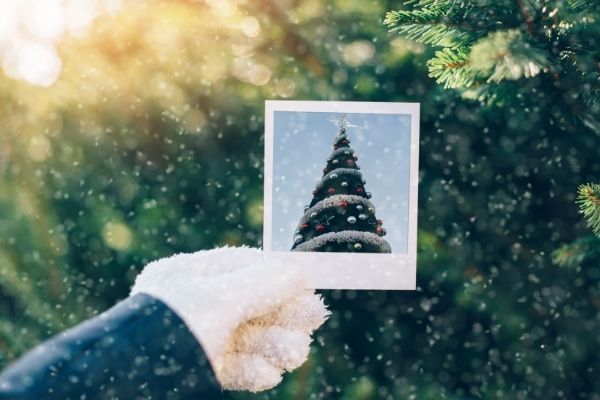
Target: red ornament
<point>345,141</point>
<point>379,222</point>
<point>350,162</point>
<point>359,190</point>
<point>304,226</point>
<point>331,190</point>
<point>380,231</point>
<point>325,170</point>
<point>343,203</point>
<point>320,227</point>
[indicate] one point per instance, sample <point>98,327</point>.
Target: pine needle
<point>589,205</point>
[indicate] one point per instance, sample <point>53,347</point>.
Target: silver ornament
<point>297,239</point>
<point>313,214</point>
<point>362,217</point>
<point>357,246</point>
<point>344,184</point>
<point>335,162</point>
<point>333,176</point>
<point>359,207</point>
<point>351,220</point>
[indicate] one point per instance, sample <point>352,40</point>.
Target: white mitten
<point>250,313</point>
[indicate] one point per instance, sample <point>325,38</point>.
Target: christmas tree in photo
<point>341,217</point>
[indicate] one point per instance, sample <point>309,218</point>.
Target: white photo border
<point>396,271</point>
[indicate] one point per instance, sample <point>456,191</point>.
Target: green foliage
<point>552,41</point>
<point>589,204</point>
<point>554,45</point>
<point>504,55</point>
<point>578,253</point>
<point>428,27</point>
<point>448,67</point>
<point>539,60</point>
<point>586,249</point>
<point>583,5</point>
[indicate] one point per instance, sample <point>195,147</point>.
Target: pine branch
<point>583,5</point>
<point>436,4</point>
<point>578,252</point>
<point>508,41</point>
<point>589,205</point>
<point>429,26</point>
<point>450,68</point>
<point>502,55</point>
<point>506,55</point>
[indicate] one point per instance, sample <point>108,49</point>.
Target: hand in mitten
<point>250,313</point>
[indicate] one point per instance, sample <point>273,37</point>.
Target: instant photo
<point>341,191</point>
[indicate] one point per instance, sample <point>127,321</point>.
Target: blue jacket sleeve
<point>139,349</point>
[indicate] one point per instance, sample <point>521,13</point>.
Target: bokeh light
<point>29,30</point>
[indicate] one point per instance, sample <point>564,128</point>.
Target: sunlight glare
<point>45,19</point>
<point>30,29</point>
<point>80,14</point>
<point>31,61</point>
<point>9,23</point>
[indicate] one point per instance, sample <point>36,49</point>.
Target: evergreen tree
<point>492,49</point>
<point>501,52</point>
<point>340,217</point>
<point>535,63</point>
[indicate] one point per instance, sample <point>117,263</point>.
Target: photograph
<point>339,178</point>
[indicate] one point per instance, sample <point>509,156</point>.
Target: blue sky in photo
<point>302,143</point>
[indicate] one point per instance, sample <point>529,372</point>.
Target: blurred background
<point>134,130</point>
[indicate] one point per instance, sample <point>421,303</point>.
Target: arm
<point>136,350</point>
<point>232,315</point>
